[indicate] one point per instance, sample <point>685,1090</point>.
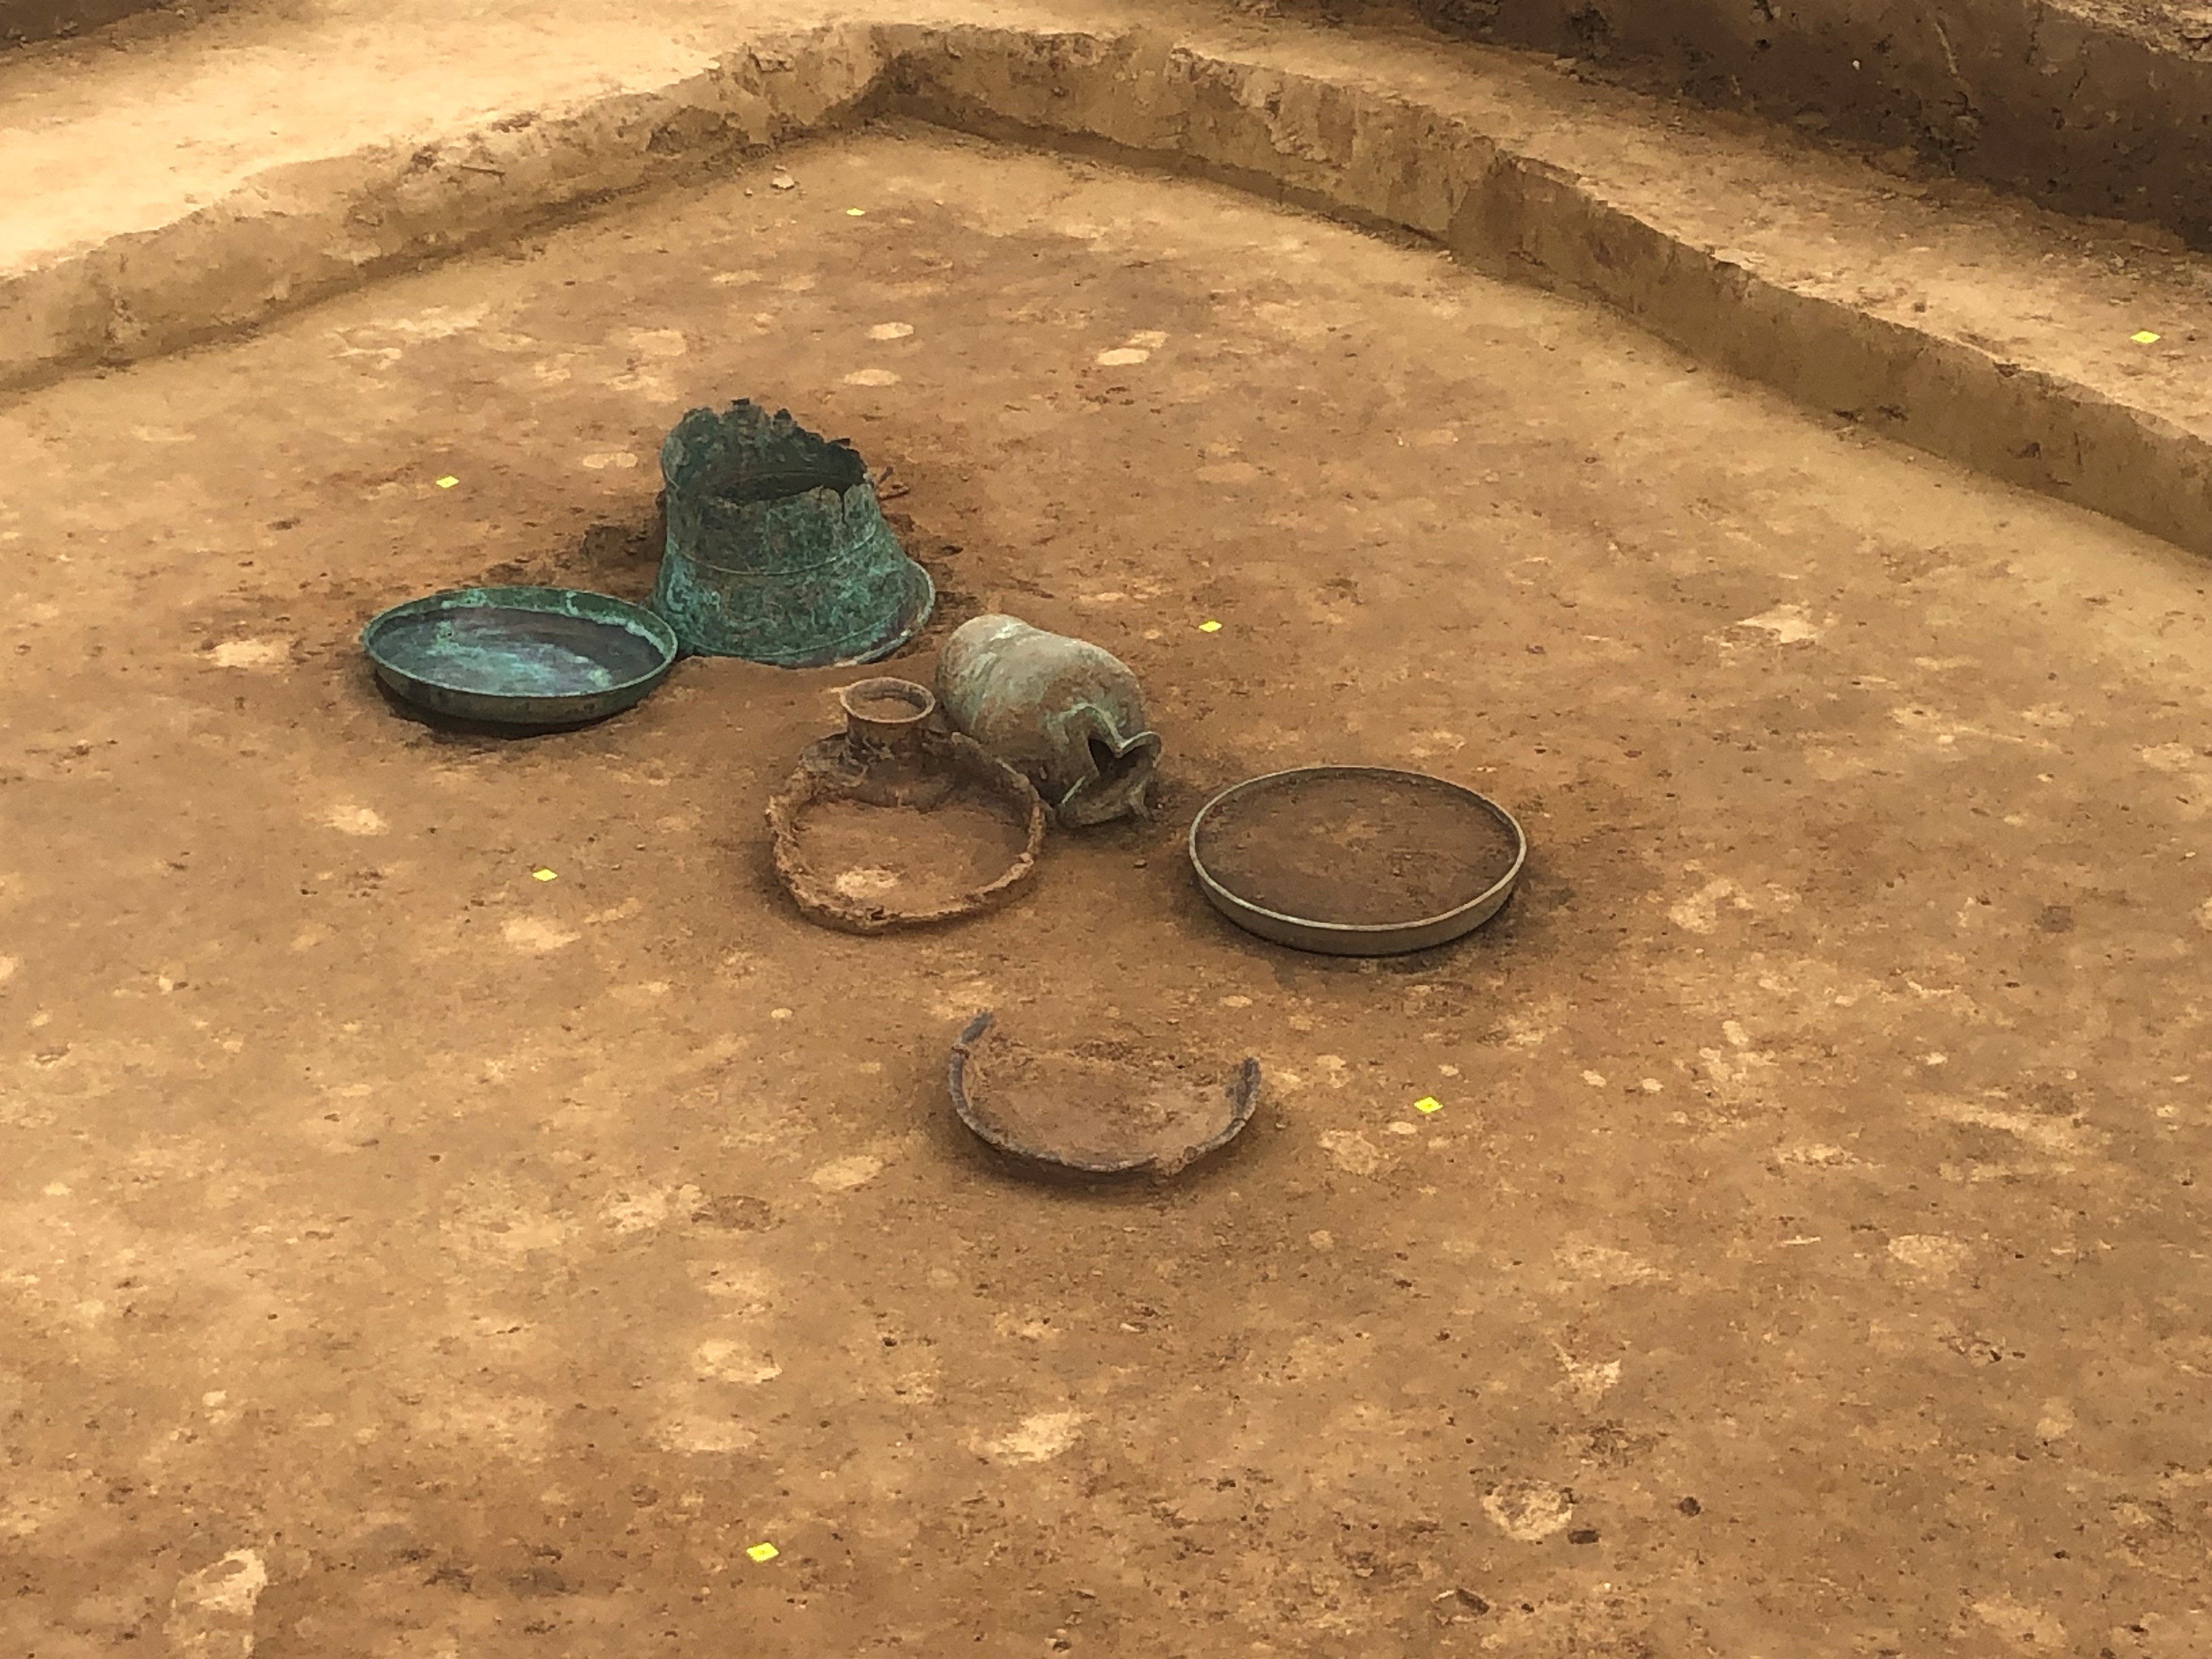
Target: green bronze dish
<point>521,656</point>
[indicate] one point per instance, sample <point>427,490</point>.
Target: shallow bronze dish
<point>521,656</point>
<point>1312,859</point>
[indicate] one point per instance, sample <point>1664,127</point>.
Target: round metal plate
<point>521,656</point>
<point>1358,938</point>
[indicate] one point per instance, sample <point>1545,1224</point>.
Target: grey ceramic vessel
<point>1066,713</point>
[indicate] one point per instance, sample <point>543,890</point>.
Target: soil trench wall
<point>23,20</point>
<point>2110,116</point>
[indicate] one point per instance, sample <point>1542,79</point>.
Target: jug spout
<point>1119,772</point>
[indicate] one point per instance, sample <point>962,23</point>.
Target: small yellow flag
<point>2143,336</point>
<point>1209,627</point>
<point>447,482</point>
<point>763,1551</point>
<point>544,875</point>
<point>1428,1104</point>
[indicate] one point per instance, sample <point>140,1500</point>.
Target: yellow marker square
<point>544,875</point>
<point>1209,627</point>
<point>1428,1104</point>
<point>447,482</point>
<point>2143,336</point>
<point>763,1551</point>
<point>856,213</point>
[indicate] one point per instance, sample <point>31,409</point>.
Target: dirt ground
<point>410,1259</point>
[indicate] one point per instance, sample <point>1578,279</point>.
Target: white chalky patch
<point>2022,1626</point>
<point>656,341</point>
<point>1788,623</point>
<point>211,1611</point>
<point>1700,912</point>
<point>871,377</point>
<point>891,331</point>
<point>2054,1137</point>
<point>536,935</point>
<point>1590,1382</point>
<point>2170,757</point>
<point>437,323</point>
<point>725,1361</point>
<point>706,1435</point>
<point>843,1175</point>
<point>1934,1255</point>
<point>1038,1438</point>
<point>355,820</point>
<point>1352,1151</point>
<point>1530,1510</point>
<point>1817,1154</point>
<point>626,1214</point>
<point>1605,1265</point>
<point>251,654</point>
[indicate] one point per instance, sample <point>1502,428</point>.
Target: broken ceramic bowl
<point>1097,1106</point>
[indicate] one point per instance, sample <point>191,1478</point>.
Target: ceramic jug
<point>1064,713</point>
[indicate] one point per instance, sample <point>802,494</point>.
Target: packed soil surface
<point>1360,851</point>
<point>909,858</point>
<point>1103,1107</point>
<point>405,1257</point>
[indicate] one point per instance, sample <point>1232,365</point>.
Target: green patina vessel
<point>777,550</point>
<point>1064,713</point>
